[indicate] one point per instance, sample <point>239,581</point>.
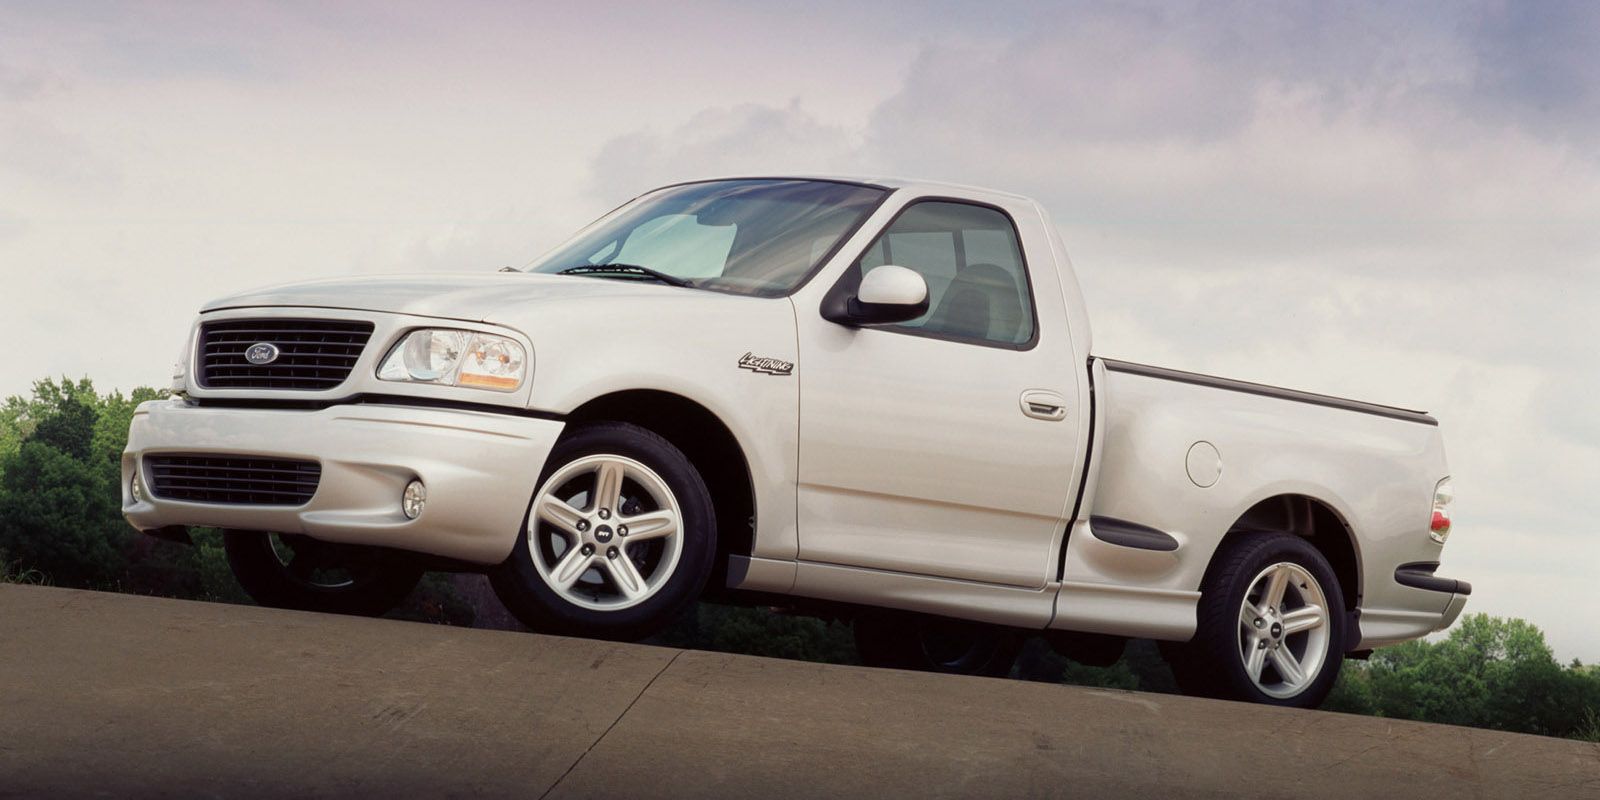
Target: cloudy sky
<point>1395,202</point>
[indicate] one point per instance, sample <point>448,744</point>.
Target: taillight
<point>1439,527</point>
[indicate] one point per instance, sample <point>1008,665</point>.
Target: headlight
<point>456,358</point>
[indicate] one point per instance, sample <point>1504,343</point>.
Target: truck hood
<point>471,297</point>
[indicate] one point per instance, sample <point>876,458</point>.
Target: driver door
<point>918,451</point>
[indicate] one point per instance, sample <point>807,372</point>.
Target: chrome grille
<point>313,354</point>
<point>236,480</point>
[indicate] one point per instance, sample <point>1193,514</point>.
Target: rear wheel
<point>618,541</point>
<point>1271,625</point>
<point>934,644</point>
<point>295,571</point>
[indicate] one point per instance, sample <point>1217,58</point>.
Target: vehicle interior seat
<point>982,302</point>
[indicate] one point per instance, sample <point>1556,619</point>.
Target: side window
<point>969,255</point>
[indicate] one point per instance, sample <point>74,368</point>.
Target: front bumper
<point>480,470</point>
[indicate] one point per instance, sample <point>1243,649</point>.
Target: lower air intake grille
<point>235,480</point>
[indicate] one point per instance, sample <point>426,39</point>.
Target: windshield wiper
<point>627,269</point>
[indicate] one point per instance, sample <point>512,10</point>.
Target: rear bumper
<point>1380,627</point>
<point>479,469</point>
<point>1421,576</point>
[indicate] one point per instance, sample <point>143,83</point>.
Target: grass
<point>1589,729</point>
<point>14,572</point>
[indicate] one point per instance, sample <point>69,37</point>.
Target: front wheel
<point>934,644</point>
<point>1271,625</point>
<point>618,541</point>
<point>295,571</point>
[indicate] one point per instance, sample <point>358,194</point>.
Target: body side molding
<point>1131,534</point>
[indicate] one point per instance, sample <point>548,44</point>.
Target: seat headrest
<point>981,302</point>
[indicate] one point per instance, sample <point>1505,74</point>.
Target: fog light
<point>135,489</point>
<point>411,502</point>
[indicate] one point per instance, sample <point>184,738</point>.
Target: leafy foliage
<point>1140,668</point>
<point>1488,673</point>
<point>14,572</point>
<point>761,632</point>
<point>1589,731</point>
<point>60,482</point>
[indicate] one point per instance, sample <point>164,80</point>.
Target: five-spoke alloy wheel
<point>1271,624</point>
<point>607,532</point>
<point>618,540</point>
<point>1283,630</point>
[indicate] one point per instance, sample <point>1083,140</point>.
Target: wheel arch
<point>1315,520</point>
<point>710,446</point>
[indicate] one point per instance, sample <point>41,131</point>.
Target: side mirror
<point>888,294</point>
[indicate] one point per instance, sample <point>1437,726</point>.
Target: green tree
<point>761,632</point>
<point>60,482</point>
<point>59,515</point>
<point>69,428</point>
<point>19,416</point>
<point>1488,672</point>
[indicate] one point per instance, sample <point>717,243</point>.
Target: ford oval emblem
<point>261,353</point>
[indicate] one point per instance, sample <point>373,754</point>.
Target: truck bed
<point>1189,456</point>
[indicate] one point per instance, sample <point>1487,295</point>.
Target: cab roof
<point>880,182</point>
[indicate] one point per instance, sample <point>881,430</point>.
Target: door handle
<point>1045,405</point>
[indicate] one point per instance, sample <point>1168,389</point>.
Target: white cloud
<point>1387,201</point>
<point>1369,228</point>
<point>748,139</point>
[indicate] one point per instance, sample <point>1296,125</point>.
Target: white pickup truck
<point>873,399</point>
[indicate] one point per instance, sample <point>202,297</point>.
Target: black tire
<point>934,644</point>
<point>1212,663</point>
<point>297,572</point>
<point>528,595</point>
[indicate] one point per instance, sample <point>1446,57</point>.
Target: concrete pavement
<point>119,696</point>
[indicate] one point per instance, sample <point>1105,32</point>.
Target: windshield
<point>759,237</point>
